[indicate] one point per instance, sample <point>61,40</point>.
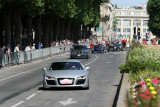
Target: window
<point>117,13</point>
<point>127,22</point>
<point>137,13</point>
<point>144,30</point>
<point>145,22</point>
<point>136,22</point>
<point>126,13</point>
<point>118,22</point>
<point>145,14</point>
<point>118,30</point>
<point>127,30</point>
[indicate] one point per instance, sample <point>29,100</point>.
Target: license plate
<point>66,81</point>
<point>78,54</point>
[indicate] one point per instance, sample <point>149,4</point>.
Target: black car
<point>115,47</point>
<point>79,51</point>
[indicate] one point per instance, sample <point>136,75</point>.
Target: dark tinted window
<point>66,66</point>
<point>80,47</point>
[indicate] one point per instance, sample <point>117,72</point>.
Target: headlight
<point>82,77</point>
<point>49,78</point>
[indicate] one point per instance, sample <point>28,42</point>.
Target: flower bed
<point>145,90</point>
<point>143,65</point>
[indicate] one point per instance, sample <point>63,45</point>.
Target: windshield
<point>66,66</point>
<point>80,47</point>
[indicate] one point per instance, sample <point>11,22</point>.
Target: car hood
<point>66,73</point>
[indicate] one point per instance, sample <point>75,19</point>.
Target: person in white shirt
<point>33,47</point>
<point>16,49</point>
<point>28,48</point>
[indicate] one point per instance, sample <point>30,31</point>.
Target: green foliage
<point>142,59</point>
<point>34,7</point>
<point>116,6</point>
<point>153,8</point>
<point>115,23</point>
<point>61,8</point>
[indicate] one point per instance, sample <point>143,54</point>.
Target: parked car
<point>115,47</point>
<point>66,73</point>
<point>79,51</point>
<point>99,49</point>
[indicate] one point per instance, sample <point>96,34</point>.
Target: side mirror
<point>87,68</point>
<point>44,69</point>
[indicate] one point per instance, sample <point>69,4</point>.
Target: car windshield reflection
<point>80,47</point>
<point>66,66</point>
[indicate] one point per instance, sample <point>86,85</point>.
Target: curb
<point>122,100</point>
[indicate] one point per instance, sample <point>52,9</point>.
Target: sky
<point>128,3</point>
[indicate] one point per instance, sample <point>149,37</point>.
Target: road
<point>21,85</point>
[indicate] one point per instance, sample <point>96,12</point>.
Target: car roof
<point>69,60</point>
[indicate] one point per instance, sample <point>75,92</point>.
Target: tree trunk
<point>54,30</point>
<point>89,32</point>
<point>72,33</point>
<point>45,36</point>
<point>57,30</point>
<point>38,29</point>
<point>51,30</point>
<point>7,24</point>
<point>1,29</point>
<point>29,30</point>
<point>19,28</point>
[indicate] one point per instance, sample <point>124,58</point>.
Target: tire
<point>117,49</point>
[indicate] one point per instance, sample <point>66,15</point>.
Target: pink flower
<point>147,91</point>
<point>155,81</point>
<point>143,83</point>
<point>141,88</point>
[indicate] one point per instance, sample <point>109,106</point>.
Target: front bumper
<point>83,55</point>
<point>55,83</point>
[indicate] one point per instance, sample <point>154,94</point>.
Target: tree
<point>116,6</point>
<point>115,23</point>
<point>153,9</point>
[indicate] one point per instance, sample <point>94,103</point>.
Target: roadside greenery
<point>143,66</point>
<point>140,59</point>
<point>153,9</point>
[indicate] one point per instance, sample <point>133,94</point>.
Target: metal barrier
<point>24,57</point>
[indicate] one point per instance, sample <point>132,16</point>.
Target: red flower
<point>143,83</point>
<point>141,88</point>
<point>155,81</point>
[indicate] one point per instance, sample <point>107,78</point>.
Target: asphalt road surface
<point>21,85</point>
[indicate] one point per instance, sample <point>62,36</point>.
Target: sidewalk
<point>124,91</point>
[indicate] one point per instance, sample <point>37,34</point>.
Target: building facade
<point>104,31</point>
<point>128,19</point>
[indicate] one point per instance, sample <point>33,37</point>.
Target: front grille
<point>81,81</point>
<point>51,82</point>
<point>59,79</point>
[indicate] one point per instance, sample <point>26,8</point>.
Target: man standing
<point>16,49</point>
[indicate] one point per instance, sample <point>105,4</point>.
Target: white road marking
<point>18,104</point>
<point>30,96</point>
<point>111,56</point>
<point>92,61</point>
<point>108,62</point>
<point>68,102</point>
<point>20,74</point>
